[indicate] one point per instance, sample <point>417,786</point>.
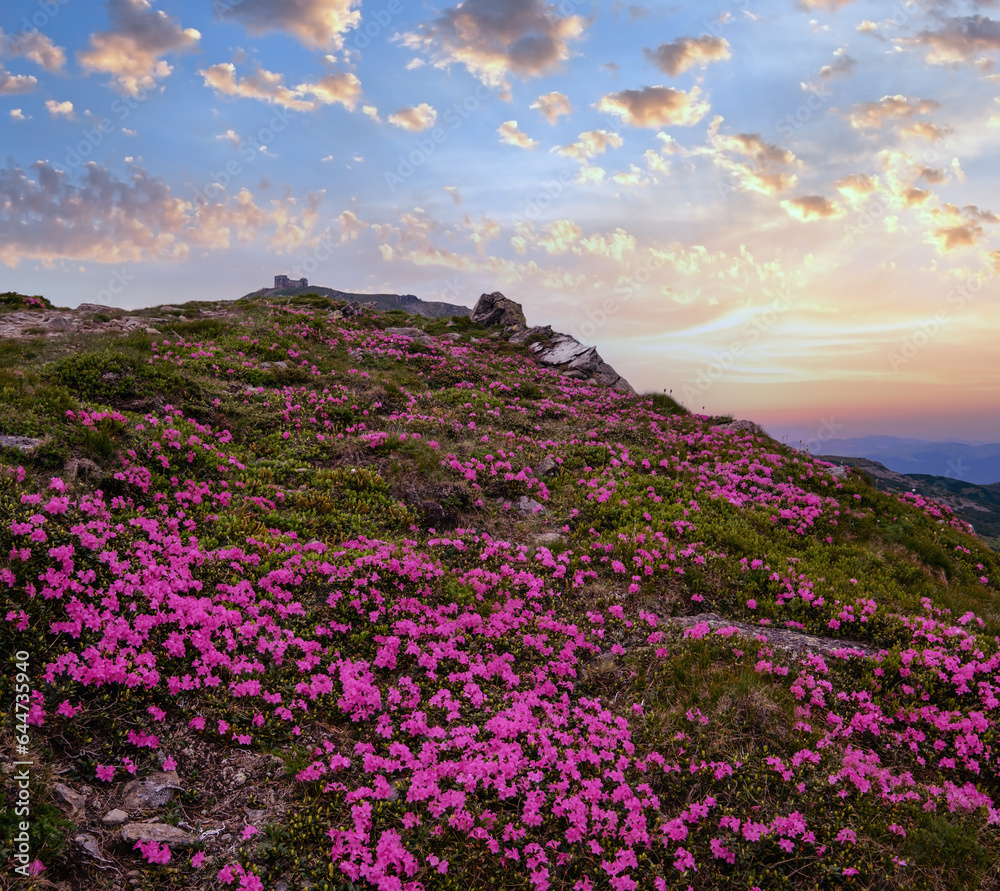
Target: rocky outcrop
<point>494,310</point>
<point>573,359</point>
<point>560,351</point>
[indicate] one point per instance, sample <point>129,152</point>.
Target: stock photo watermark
<point>21,838</point>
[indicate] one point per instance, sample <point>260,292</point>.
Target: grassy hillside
<point>401,615</point>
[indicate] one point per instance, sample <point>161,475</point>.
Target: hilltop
<point>307,598</point>
<point>432,309</point>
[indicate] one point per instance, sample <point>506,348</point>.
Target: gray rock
<point>523,335</point>
<point>414,333</point>
<point>60,323</point>
<point>114,817</point>
<point>546,465</point>
<point>89,843</point>
<point>743,427</point>
<point>152,331</point>
<point>152,791</point>
<point>573,359</point>
<point>157,832</point>
<point>70,801</point>
<point>528,505</point>
<point>547,538</point>
<point>96,307</point>
<point>495,310</point>
<point>22,443</point>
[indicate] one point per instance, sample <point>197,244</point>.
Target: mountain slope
<point>343,607</point>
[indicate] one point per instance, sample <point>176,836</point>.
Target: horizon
<point>781,211</point>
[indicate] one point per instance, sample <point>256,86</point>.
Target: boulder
<point>22,443</point>
<point>575,360</point>
<point>156,832</point>
<point>152,791</point>
<point>96,307</point>
<point>114,817</point>
<point>495,310</point>
<point>89,843</point>
<point>72,802</point>
<point>743,427</point>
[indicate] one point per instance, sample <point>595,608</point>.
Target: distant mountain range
<point>978,464</point>
<point>431,309</point>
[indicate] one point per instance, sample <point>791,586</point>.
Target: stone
<point>151,330</point>
<point>60,323</point>
<point>528,505</point>
<point>742,427</point>
<point>546,465</point>
<point>523,335</point>
<point>89,843</point>
<point>21,443</point>
<point>96,307</point>
<point>155,832</point>
<point>547,538</point>
<point>114,817</point>
<point>73,803</point>
<point>495,310</point>
<point>152,791</point>
<point>414,333</point>
<point>574,359</point>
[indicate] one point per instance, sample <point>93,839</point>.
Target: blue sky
<point>783,210</point>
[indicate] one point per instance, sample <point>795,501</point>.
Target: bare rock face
<point>494,310</point>
<point>575,360</point>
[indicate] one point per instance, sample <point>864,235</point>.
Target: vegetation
<point>405,616</point>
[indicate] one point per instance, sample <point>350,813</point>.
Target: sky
<point>783,210</point>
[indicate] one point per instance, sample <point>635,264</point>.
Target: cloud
<point>232,136</point>
<point>686,52</point>
<point>559,237</point>
<point>34,46</point>
<point>925,130</point>
<point>317,24</point>
<point>829,5</point>
<point>45,216</point>
<point>812,207</point>
<point>962,39</point>
<point>13,84</point>
<point>757,173</point>
<point>656,107</point>
<point>131,51</point>
<point>456,196</point>
<point>857,187</point>
<point>843,64</point>
<point>589,144</point>
<point>552,105</point>
<point>510,135</point>
<point>60,109</point>
<point>17,115</point>
<point>866,115</point>
<point>418,118</point>
<point>268,86</point>
<point>350,226</point>
<point>496,38</point>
